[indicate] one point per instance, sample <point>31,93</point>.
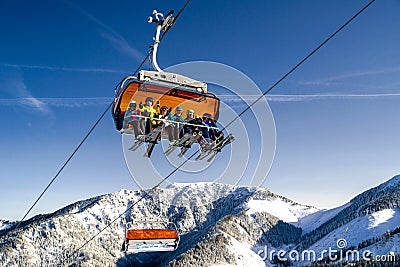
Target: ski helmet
<point>132,103</point>
<point>207,115</point>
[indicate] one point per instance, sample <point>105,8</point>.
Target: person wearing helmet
<point>211,130</point>
<point>207,116</point>
<point>162,114</point>
<point>131,119</point>
<point>193,126</point>
<point>147,110</point>
<point>163,110</point>
<point>189,119</point>
<point>178,111</point>
<point>174,131</point>
<point>189,115</point>
<point>149,101</point>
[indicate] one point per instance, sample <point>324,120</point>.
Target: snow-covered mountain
<point>219,225</point>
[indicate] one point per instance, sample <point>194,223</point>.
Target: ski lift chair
<point>156,236</point>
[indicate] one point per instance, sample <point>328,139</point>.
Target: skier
<point>131,120</point>
<point>189,115</point>
<point>175,129</point>
<point>198,129</point>
<point>148,111</point>
<point>163,114</point>
<point>213,133</point>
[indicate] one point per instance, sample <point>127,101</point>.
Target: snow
<point>314,220</point>
<point>359,229</point>
<point>286,211</point>
<point>385,247</point>
<point>108,208</point>
<point>197,184</point>
<point>395,181</point>
<point>245,257</point>
<point>199,200</point>
<point>380,217</point>
<point>5,226</point>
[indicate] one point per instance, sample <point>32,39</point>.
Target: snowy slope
<point>391,183</point>
<point>190,206</point>
<point>360,229</point>
<point>389,247</point>
<point>4,225</point>
<point>316,219</point>
<point>244,255</point>
<point>248,218</point>
<point>248,231</point>
<point>287,211</point>
<point>45,240</point>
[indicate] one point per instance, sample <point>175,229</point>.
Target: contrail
<point>63,68</point>
<point>82,102</point>
<point>334,79</point>
<point>58,102</point>
<point>297,98</point>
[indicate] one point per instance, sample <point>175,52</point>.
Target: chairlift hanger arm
<point>163,23</point>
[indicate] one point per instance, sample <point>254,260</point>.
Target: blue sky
<point>336,116</point>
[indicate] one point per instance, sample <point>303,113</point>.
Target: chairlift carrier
<point>151,235</point>
<point>159,236</point>
<point>168,89</point>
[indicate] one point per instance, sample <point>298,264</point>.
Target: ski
<point>140,139</point>
<point>208,150</point>
<point>152,143</point>
<point>171,147</point>
<point>187,145</point>
<point>138,142</point>
<point>176,144</point>
<point>227,140</point>
<point>152,139</point>
<point>204,153</point>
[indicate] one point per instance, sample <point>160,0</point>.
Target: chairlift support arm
<point>163,24</point>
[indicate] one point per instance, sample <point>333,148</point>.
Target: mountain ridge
<point>385,195</point>
<point>218,224</point>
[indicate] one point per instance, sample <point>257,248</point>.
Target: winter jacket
<point>130,116</point>
<point>150,112</point>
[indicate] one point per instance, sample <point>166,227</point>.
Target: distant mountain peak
<point>249,218</point>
